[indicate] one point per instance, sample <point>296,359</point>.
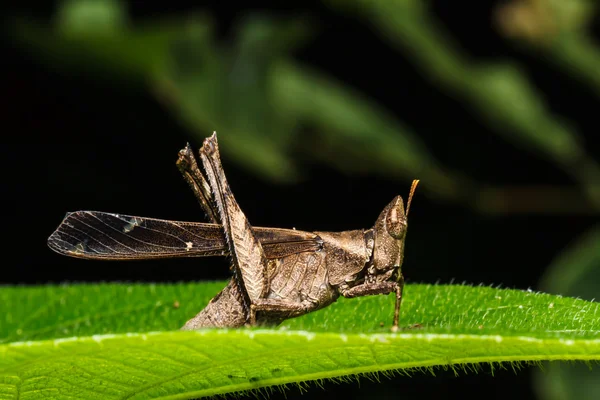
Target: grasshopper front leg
<point>249,260</point>
<point>385,287</point>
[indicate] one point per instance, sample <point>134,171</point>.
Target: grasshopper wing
<point>93,234</point>
<point>100,235</point>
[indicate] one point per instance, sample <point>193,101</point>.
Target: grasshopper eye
<point>395,221</point>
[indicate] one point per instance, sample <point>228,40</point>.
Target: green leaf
<point>93,39</point>
<point>85,16</point>
<point>116,340</point>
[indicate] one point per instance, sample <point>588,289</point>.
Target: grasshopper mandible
<point>277,273</point>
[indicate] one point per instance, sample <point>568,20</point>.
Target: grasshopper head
<point>389,234</point>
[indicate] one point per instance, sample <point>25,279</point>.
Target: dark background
<point>72,141</point>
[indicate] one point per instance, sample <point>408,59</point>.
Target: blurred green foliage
<point>501,92</point>
<point>575,272</point>
<point>253,89</point>
<point>256,92</point>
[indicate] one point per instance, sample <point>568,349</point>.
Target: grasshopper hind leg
<point>249,261</point>
<point>229,308</point>
<point>225,310</point>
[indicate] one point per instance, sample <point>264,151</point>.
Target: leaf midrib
<point>373,338</point>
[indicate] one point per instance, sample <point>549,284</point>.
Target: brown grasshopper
<point>277,273</point>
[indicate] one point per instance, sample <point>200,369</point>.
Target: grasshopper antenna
<point>413,187</point>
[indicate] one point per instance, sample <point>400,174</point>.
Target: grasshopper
<point>277,273</point>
